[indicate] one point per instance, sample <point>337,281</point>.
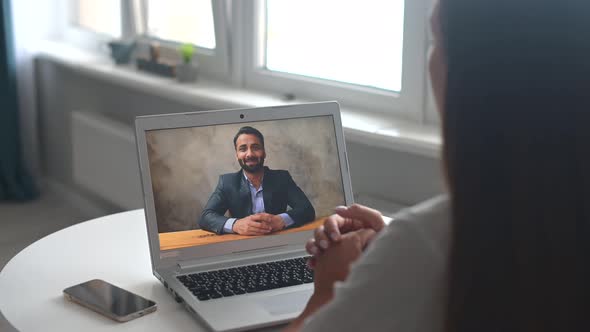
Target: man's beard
<point>254,168</point>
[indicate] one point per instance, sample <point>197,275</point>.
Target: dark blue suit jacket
<point>233,194</point>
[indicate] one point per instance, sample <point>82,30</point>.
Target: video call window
<point>231,182</point>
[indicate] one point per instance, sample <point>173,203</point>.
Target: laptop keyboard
<point>248,279</point>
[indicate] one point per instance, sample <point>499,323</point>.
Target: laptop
<point>231,197</point>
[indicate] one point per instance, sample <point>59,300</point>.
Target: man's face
<point>250,153</point>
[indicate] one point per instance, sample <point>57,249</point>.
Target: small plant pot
<point>121,51</point>
<point>186,72</point>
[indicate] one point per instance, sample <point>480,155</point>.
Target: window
<point>369,54</point>
<point>183,21</point>
<point>203,23</point>
<point>89,24</point>
<point>332,44</point>
<point>103,17</point>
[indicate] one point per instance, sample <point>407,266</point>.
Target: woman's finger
<point>370,218</point>
<point>366,235</point>
<point>333,227</point>
<point>312,262</point>
<point>321,239</point>
<point>311,247</point>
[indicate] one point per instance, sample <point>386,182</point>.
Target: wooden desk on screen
<point>183,239</point>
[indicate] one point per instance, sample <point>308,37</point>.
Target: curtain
<point>16,184</point>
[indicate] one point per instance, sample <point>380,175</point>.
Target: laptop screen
<point>231,182</point>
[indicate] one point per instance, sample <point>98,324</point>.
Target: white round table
<point>113,248</point>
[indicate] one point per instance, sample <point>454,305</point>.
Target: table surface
<point>113,248</point>
<point>183,239</point>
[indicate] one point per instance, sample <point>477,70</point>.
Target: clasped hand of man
<point>259,224</point>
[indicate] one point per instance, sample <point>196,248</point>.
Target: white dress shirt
<point>257,207</point>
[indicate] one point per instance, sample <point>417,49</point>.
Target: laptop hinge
<point>243,256</point>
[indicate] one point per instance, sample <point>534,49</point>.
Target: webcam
<point>241,116</point>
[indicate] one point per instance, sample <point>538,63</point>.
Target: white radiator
<point>104,159</point>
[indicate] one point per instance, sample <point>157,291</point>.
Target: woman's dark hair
<point>516,129</point>
<point>251,131</point>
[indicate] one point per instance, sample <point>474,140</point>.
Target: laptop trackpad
<point>286,303</point>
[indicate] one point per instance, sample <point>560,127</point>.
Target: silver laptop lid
<point>183,156</point>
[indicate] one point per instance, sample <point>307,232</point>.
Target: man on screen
<point>256,196</point>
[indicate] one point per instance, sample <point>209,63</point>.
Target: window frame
<point>409,104</point>
<point>213,63</point>
<point>95,41</point>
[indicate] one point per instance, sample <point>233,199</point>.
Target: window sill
<point>366,127</point>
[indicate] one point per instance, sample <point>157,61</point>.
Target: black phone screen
<point>109,298</point>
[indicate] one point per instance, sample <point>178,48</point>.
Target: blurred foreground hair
<point>516,129</point>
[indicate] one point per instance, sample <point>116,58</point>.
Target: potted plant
<point>121,50</point>
<point>186,71</point>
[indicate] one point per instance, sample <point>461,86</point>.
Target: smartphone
<point>109,300</point>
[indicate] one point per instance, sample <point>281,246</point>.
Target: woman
<point>508,249</point>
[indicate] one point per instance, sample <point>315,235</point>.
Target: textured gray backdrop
<point>185,165</point>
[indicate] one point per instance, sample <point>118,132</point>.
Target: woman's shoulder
<point>418,235</point>
<point>427,223</point>
<point>435,208</point>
